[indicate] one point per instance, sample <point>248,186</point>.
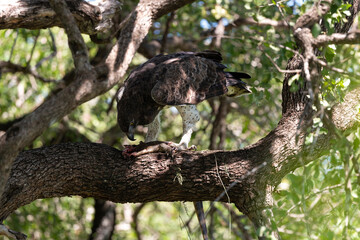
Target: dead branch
<point>37,14</point>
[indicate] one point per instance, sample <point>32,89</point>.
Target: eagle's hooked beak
<point>131,131</point>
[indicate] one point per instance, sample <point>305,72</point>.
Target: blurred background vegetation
<point>317,201</point>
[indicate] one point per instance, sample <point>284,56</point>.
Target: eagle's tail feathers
<point>210,54</point>
<point>239,75</point>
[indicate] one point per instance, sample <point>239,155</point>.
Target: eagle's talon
<point>181,147</point>
<point>192,148</point>
<point>128,150</point>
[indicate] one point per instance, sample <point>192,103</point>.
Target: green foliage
<point>320,201</point>
<point>58,218</point>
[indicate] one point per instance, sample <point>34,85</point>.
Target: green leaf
<point>329,54</point>
<point>316,30</point>
<point>356,144</point>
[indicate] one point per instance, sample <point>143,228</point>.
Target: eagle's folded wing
<point>188,80</point>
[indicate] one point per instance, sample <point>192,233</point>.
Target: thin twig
<point>9,67</point>
<point>226,222</point>
<point>33,48</point>
<point>222,183</point>
<point>310,196</point>
<point>13,46</point>
<point>53,48</point>
<point>335,69</point>
<point>255,169</point>
<point>236,218</point>
<point>272,4</point>
<point>112,101</point>
<point>304,206</point>
<point>347,186</point>
<point>283,15</point>
<point>227,195</point>
<point>187,227</point>
<point>240,21</point>
<point>166,31</point>
<point>279,69</point>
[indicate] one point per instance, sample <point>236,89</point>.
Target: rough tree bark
<point>249,174</point>
<point>88,84</point>
<point>37,14</point>
<point>78,169</point>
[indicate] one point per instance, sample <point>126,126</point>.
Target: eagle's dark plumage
<point>181,79</point>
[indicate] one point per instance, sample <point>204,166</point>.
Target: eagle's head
<point>127,115</point>
<point>133,110</point>
<point>128,127</point>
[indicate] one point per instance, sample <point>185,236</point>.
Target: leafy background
<point>317,201</point>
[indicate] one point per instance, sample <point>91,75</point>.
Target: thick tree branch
<point>75,40</point>
<point>314,15</point>
<point>84,87</point>
<point>346,115</point>
<point>97,170</point>
<point>337,38</point>
<point>37,14</point>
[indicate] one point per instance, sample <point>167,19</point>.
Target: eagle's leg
<point>153,130</point>
<point>190,117</point>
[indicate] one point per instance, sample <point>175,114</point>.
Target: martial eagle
<point>182,80</point>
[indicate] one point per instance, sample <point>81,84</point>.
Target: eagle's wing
<point>189,79</point>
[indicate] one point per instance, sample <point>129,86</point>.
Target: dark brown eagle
<point>182,80</point>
